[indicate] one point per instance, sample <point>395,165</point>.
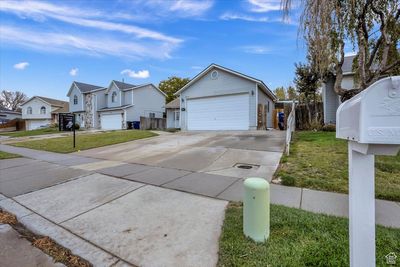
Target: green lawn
<point>6,155</point>
<point>85,141</point>
<point>318,160</point>
<point>297,238</point>
<point>33,132</point>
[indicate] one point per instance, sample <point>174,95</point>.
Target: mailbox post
<point>370,121</point>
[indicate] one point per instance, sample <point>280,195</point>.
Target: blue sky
<point>45,45</point>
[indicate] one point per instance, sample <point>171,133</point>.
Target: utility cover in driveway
<point>229,112</point>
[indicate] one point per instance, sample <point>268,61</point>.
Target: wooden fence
<point>152,123</point>
<point>13,125</point>
<point>302,116</point>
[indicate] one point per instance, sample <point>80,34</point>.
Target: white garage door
<point>219,113</point>
<point>36,124</point>
<point>111,122</point>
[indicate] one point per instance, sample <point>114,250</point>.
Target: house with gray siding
<point>111,107</point>
<point>330,99</point>
<point>219,98</point>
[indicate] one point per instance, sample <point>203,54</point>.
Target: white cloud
<point>21,65</point>
<point>175,8</point>
<point>89,45</point>
<point>235,16</point>
<point>190,7</point>
<point>73,71</point>
<point>141,74</point>
<point>261,6</point>
<point>81,17</point>
<point>256,49</point>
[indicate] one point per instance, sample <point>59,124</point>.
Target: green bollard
<point>256,209</point>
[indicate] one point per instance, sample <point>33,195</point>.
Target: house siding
<point>118,101</point>
<point>36,105</point>
<point>331,100</point>
<point>80,105</point>
<point>146,100</point>
<point>226,83</point>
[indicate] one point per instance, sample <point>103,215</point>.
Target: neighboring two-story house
<point>41,111</point>
<point>111,107</point>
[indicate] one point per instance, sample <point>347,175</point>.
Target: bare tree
<point>12,100</point>
<point>371,26</point>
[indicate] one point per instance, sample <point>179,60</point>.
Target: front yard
<point>6,155</point>
<point>319,161</point>
<point>85,141</point>
<point>41,131</point>
<point>297,238</point>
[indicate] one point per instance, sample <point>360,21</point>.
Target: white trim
<point>38,97</point>
<point>115,108</point>
<point>215,95</point>
<point>203,72</point>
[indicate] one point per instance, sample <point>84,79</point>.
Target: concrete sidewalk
<point>115,222</point>
<point>215,186</point>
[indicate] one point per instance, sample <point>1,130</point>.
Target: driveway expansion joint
<point>69,231</point>
<point>102,204</point>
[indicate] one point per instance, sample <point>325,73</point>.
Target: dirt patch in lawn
<point>44,243</point>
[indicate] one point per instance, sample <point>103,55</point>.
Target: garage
<point>229,112</point>
<point>111,121</point>
<point>219,98</point>
<point>36,124</point>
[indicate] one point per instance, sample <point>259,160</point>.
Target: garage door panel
<point>219,113</point>
<point>111,121</point>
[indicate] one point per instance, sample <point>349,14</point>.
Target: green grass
<point>85,141</point>
<point>6,155</point>
<point>33,132</point>
<point>319,161</point>
<point>297,238</point>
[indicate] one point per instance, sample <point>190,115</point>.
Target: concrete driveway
<point>220,153</point>
<point>143,219</point>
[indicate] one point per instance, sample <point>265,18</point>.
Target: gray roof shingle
<point>123,85</point>
<point>86,88</point>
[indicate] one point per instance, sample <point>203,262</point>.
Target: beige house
<point>39,111</point>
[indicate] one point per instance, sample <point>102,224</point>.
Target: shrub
<point>77,126</point>
<point>287,180</point>
<point>329,128</point>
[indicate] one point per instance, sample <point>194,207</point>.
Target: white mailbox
<point>371,123</point>
<point>372,116</point>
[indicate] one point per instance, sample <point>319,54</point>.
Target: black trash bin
<point>130,125</point>
<point>136,125</point>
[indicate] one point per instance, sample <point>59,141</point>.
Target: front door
<point>176,118</point>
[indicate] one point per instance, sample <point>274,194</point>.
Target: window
<point>114,97</point>
<point>42,110</point>
<point>152,115</point>
<point>176,113</point>
<point>29,110</point>
<point>75,100</point>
